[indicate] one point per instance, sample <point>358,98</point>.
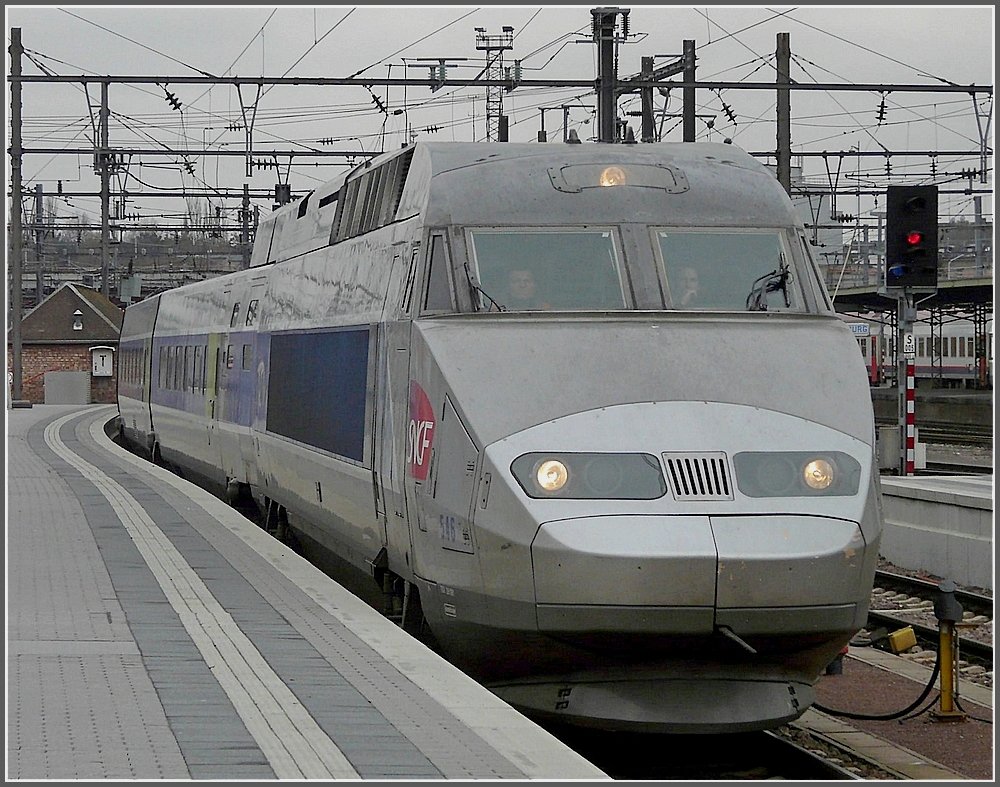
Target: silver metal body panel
<point>553,364</point>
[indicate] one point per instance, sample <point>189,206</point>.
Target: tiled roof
<point>52,320</point>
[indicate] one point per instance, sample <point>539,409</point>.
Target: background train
<point>945,353</point>
<point>584,412</point>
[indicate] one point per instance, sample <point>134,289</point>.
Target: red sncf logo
<point>420,433</point>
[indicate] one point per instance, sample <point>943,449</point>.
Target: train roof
<point>473,183</point>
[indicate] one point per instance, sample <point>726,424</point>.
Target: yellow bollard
<point>947,610</point>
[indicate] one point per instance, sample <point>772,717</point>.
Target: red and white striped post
<point>905,374</point>
<point>910,423</point>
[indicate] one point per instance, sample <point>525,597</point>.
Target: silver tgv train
<point>485,376</point>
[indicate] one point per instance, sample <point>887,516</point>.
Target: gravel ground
<point>960,454</point>
<point>965,747</point>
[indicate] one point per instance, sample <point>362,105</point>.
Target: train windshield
<point>528,270</point>
<point>735,270</point>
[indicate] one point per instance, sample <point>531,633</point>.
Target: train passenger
<point>523,292</point>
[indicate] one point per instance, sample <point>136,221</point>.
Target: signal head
<point>911,237</point>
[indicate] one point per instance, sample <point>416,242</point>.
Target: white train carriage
<point>948,353</point>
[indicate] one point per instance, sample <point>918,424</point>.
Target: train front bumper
<point>675,704</point>
<point>691,575</point>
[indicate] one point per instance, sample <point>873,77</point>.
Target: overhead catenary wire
<point>364,114</point>
<point>137,43</point>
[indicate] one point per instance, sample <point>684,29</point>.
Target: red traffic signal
<point>911,237</point>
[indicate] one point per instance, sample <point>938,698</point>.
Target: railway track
<point>782,754</point>
<point>898,601</point>
<point>954,468</point>
<point>938,432</point>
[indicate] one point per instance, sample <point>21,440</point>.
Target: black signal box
<point>911,237</point>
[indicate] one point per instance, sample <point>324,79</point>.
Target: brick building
<point>68,347</point>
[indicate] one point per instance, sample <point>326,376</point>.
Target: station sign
<point>909,346</point>
<point>860,328</point>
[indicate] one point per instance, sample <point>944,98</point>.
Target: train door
<point>215,363</point>
<point>392,412</point>
<point>230,417</point>
<point>252,387</point>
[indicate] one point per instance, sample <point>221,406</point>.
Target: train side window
<point>370,219</point>
<point>186,373</point>
<point>411,275</point>
<point>389,191</point>
<point>921,346</point>
<point>262,244</point>
<point>247,356</point>
<point>229,356</point>
<point>303,206</point>
<point>204,366</point>
<point>235,315</point>
<point>252,312</point>
<point>197,368</point>
<point>437,293</point>
<point>817,278</point>
<point>356,202</point>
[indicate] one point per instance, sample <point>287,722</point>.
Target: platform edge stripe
<point>529,747</point>
<point>300,749</point>
<point>200,618</point>
<point>297,755</point>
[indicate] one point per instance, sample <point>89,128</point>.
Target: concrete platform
<point>154,633</point>
<point>940,524</point>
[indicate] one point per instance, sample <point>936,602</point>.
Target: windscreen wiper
<point>770,282</point>
<point>478,294</point>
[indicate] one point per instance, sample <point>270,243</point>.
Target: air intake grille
<point>703,476</point>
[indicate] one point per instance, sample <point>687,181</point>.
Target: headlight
<point>613,176</point>
<point>796,473</point>
<point>551,475</point>
<point>819,474</point>
<point>590,476</point>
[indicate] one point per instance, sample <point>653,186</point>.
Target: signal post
<point>911,248</point>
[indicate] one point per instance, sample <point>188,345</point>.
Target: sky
<point>868,44</point>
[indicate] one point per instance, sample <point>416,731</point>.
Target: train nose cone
<point>625,573</point>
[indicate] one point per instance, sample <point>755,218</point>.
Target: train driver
<point>688,298</point>
<point>523,292</point>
